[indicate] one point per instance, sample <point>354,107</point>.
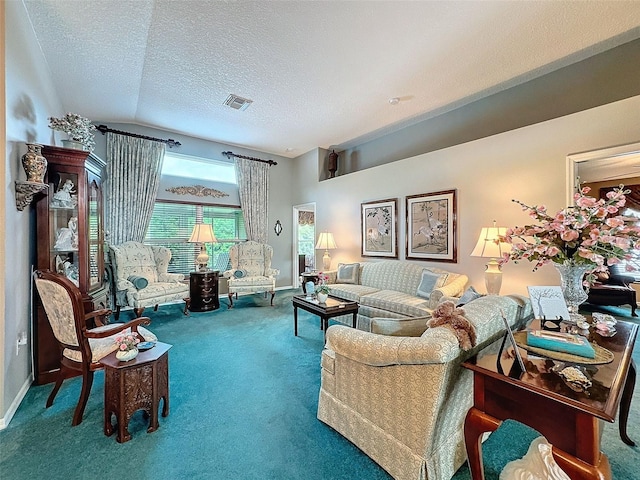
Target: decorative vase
<point>34,163</point>
<point>126,355</point>
<point>322,297</point>
<point>571,282</point>
<point>68,143</point>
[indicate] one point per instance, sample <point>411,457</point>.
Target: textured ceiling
<point>320,74</point>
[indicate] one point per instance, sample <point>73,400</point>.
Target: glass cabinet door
<point>63,230</point>
<point>96,253</point>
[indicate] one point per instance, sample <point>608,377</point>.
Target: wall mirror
<point>619,164</point>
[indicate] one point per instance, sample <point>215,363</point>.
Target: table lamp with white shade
<point>202,233</point>
<point>326,242</point>
<point>489,246</point>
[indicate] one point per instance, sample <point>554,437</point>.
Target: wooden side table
<point>138,384</point>
<point>203,291</point>
<point>569,419</point>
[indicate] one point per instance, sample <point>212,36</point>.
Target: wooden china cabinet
<point>70,241</point>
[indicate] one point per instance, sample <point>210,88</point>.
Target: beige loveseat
<point>403,400</point>
<point>387,292</point>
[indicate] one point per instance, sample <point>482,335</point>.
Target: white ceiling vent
<point>238,103</point>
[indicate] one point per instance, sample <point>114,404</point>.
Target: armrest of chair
<point>170,277</point>
<point>98,316</point>
<point>437,345</point>
<point>228,273</point>
<point>118,327</point>
<point>621,280</point>
<point>272,272</point>
<point>124,285</point>
<point>332,276</point>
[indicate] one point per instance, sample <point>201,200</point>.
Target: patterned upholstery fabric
<point>403,400</point>
<point>101,347</point>
<point>255,259</point>
<point>59,310</point>
<point>134,259</point>
<point>389,288</point>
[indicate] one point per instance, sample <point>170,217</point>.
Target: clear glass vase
<point>573,290</point>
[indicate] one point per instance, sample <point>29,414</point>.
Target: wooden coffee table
<point>138,384</point>
<point>539,398</point>
<point>333,307</point>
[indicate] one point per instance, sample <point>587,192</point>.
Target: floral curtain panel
<point>306,218</point>
<point>253,186</point>
<point>133,173</point>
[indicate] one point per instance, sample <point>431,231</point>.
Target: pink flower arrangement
<point>322,286</point>
<point>127,341</point>
<point>591,233</point>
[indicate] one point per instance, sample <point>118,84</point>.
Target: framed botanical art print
<point>431,226</point>
<point>379,228</point>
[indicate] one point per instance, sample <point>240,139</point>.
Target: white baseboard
<point>4,421</point>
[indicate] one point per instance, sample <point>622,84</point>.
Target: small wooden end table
<point>539,398</point>
<point>203,292</point>
<point>333,307</point>
<point>138,384</point>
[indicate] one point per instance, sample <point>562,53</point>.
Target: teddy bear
<point>448,315</point>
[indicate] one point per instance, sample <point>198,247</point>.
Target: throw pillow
<point>429,282</point>
<point>468,295</point>
<point>348,273</point>
<point>240,273</point>
<point>138,282</point>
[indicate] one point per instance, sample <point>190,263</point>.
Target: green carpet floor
<point>243,398</point>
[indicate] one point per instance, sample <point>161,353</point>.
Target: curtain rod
<point>231,154</point>
<point>171,142</point>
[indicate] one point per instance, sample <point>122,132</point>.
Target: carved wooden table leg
<point>625,404</point>
<point>475,424</point>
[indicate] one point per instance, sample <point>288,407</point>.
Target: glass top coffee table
<point>333,307</point>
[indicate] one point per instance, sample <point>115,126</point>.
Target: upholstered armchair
<point>141,279</point>
<point>83,338</point>
<point>251,270</point>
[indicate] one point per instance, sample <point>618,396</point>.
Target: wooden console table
<point>539,398</point>
<point>138,384</point>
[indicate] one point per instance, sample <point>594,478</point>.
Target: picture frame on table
<point>431,226</point>
<point>379,228</point>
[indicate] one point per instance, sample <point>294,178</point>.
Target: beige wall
<point>528,164</point>
<point>30,99</point>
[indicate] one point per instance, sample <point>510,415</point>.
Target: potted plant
<point>79,129</point>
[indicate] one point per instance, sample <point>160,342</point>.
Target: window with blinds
<point>171,226</point>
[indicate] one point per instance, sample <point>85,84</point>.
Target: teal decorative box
<point>561,342</point>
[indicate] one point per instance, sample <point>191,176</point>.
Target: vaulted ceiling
<point>320,73</point>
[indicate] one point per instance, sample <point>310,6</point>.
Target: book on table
<point>561,342</point>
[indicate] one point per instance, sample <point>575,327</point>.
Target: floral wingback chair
<point>141,278</point>
<point>251,270</point>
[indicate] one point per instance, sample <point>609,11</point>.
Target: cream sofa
<point>403,400</point>
<point>387,295</point>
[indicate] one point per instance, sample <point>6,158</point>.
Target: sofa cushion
<point>429,281</point>
<point>397,302</point>
<point>350,292</point>
<point>468,295</point>
<point>348,273</point>
<point>138,282</point>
